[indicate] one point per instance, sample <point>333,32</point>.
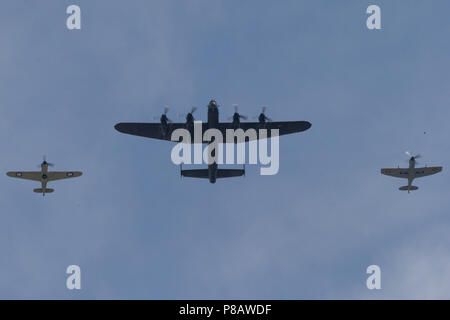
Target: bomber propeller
<point>262,118</point>
<point>190,116</point>
<point>164,117</point>
<point>237,116</point>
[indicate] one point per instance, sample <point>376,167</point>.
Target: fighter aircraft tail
<point>410,188</point>
<point>43,190</point>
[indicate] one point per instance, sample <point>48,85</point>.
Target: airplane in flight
<point>411,172</point>
<point>163,131</point>
<point>44,176</point>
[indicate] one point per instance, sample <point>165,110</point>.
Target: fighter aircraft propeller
<point>44,162</point>
<point>411,157</point>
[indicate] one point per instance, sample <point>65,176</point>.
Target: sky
<point>138,231</point>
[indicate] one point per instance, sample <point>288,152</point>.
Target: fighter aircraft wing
<point>59,175</point>
<point>426,171</point>
<point>395,172</point>
<point>27,175</point>
<point>154,130</point>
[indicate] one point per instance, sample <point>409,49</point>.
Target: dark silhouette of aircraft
<point>44,176</point>
<point>163,131</point>
<point>411,172</point>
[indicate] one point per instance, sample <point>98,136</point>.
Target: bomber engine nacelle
<point>164,121</point>
<point>237,117</point>
<point>262,118</point>
<point>189,118</point>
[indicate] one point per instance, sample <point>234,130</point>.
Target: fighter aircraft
<point>163,131</point>
<point>44,176</point>
<point>411,172</point>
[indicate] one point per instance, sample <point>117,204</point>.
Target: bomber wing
<point>151,130</point>
<point>156,131</point>
<point>284,127</point>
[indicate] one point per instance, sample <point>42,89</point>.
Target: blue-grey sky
<point>138,231</point>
